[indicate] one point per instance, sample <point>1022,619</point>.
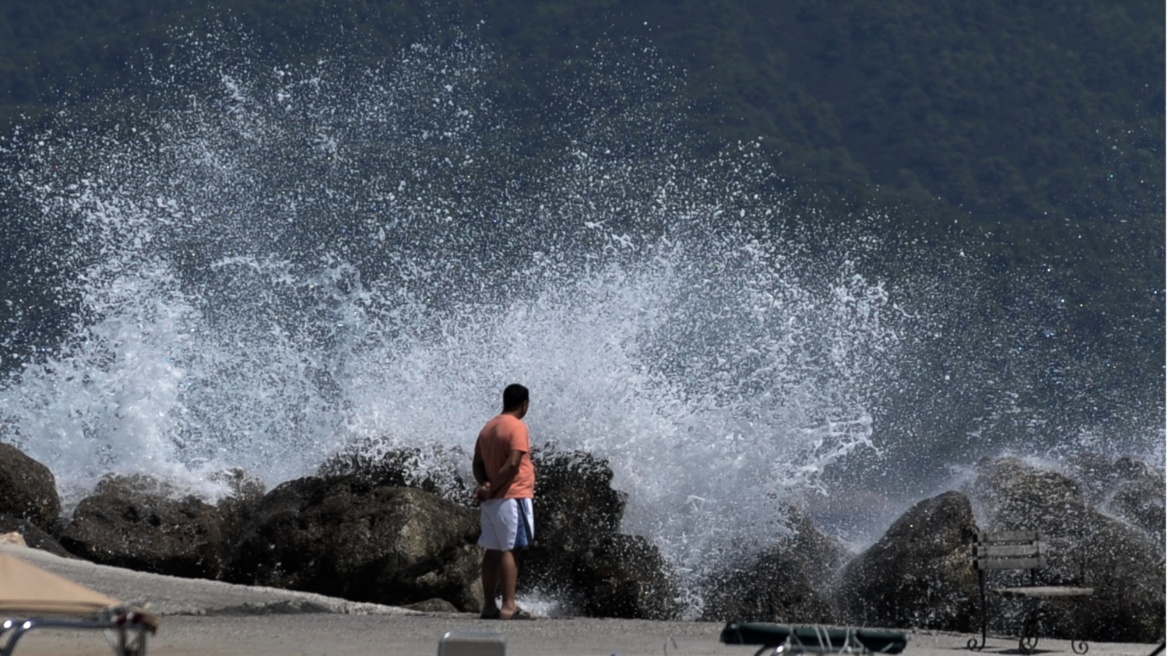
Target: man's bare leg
<point>508,578</point>
<point>491,567</point>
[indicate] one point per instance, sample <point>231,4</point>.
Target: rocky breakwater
<point>381,528</point>
<point>365,528</point>
<point>919,574</point>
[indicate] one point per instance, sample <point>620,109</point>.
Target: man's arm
<point>507,471</point>
<point>479,467</point>
<point>483,492</point>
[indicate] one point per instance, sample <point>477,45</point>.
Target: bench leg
<point>1078,645</point>
<point>1028,638</point>
<point>972,643</point>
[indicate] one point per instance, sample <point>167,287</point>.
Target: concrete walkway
<point>216,619</point>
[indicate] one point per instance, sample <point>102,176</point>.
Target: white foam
<point>276,265</point>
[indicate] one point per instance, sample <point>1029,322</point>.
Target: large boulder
<point>575,500</point>
<point>1137,496</point>
<point>788,583</point>
<point>1126,569</point>
<point>28,489</point>
<point>344,537</point>
<point>379,461</point>
<point>244,494</point>
<point>1127,488</point>
<point>579,556</point>
<point>139,523</point>
<point>1086,548</point>
<point>625,576</point>
<point>1094,473</point>
<point>1014,494</point>
<point>918,574</point>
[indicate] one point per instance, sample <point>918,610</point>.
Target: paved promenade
<point>209,618</point>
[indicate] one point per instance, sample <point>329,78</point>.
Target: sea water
<point>257,266</point>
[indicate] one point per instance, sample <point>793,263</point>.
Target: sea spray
<point>285,261</point>
<point>262,265</point>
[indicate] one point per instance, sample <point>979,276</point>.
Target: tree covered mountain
<point>997,110</point>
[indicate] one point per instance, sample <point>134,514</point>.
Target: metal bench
<point>1019,550</point>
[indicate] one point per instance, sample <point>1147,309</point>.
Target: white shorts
<point>507,524</point>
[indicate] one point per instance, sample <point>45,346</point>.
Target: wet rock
<point>789,583</point>
<point>377,461</point>
<point>575,498</point>
<point>1086,548</point>
<point>579,556</point>
<point>33,536</point>
<point>28,490</point>
<point>1138,496</point>
<point>138,523</point>
<point>625,576</point>
<point>1127,487</point>
<point>1095,474</point>
<point>1126,569</point>
<point>237,506</point>
<point>1015,494</point>
<point>344,537</point>
<point>918,574</point>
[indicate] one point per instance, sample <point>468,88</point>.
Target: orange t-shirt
<point>496,440</point>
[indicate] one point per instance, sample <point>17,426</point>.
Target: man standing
<point>506,478</point>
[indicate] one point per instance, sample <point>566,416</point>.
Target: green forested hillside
<point>1038,127</point>
<point>997,109</point>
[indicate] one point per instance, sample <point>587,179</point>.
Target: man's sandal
<point>521,614</point>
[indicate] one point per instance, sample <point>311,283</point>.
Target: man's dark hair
<point>513,396</point>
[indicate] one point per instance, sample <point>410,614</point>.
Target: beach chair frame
<point>130,636</point>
